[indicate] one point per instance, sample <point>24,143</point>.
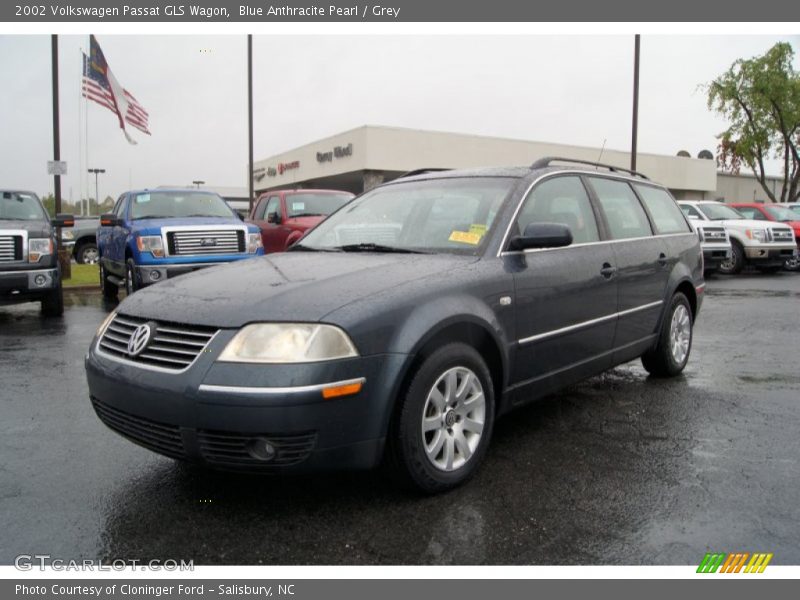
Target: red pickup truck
<point>283,216</point>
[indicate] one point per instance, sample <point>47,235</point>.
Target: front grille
<point>782,235</point>
<point>235,450</point>
<point>158,437</point>
<point>714,234</point>
<point>200,242</point>
<point>172,346</point>
<point>10,248</point>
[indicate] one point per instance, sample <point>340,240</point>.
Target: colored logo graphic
<point>735,562</point>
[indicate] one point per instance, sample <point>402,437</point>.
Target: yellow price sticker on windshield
<point>465,237</point>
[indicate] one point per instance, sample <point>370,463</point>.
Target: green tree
<point>760,99</point>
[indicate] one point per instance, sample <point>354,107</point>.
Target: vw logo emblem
<point>139,339</point>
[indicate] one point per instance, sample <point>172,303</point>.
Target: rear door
<point>272,232</point>
<point>641,260</point>
<point>565,298</point>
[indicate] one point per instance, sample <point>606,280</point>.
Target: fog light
<point>40,280</point>
<point>155,275</point>
<point>262,449</point>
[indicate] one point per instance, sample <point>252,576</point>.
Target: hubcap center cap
<point>450,418</point>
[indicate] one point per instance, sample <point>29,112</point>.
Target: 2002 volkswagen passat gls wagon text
<point>403,325</point>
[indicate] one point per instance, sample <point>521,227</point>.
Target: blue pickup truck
<point>153,235</point>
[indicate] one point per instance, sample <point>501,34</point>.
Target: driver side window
<point>561,200</point>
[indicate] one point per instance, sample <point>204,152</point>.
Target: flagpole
<point>250,120</point>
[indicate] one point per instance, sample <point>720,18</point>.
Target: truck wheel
<point>53,303</point>
<point>793,264</point>
<point>442,428</point>
<point>734,264</point>
<point>87,254</point>
<point>671,354</point>
<point>110,290</point>
<point>131,279</point>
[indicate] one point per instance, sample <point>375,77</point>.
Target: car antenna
<point>602,149</point>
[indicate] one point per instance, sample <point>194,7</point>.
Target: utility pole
<point>63,255</point>
<point>635,128</point>
<point>97,186</point>
<point>250,120</point>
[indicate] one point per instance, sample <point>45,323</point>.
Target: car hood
<point>746,223</point>
<point>34,228</point>
<point>293,286</point>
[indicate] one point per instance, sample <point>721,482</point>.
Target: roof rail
<point>422,172</point>
<point>545,162</point>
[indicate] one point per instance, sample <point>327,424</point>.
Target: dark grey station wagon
<point>403,325</point>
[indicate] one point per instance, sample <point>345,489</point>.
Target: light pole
<point>198,183</point>
<point>96,186</point>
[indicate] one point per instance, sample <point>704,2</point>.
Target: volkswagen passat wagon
<point>406,323</point>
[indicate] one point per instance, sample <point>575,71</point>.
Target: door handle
<point>662,259</point>
<point>608,271</point>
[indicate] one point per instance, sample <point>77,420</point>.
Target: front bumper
<point>713,256</point>
<point>766,255</point>
<point>149,274</point>
<point>223,415</point>
<point>27,285</point>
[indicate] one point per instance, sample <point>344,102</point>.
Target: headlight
<point>254,242</point>
<point>151,244</point>
<point>288,343</point>
<point>759,235</point>
<point>106,322</point>
<point>39,247</point>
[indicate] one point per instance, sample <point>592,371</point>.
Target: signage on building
<point>272,171</point>
<point>283,167</point>
<point>337,152</point>
<point>258,174</point>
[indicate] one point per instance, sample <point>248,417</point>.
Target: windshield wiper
<point>304,248</point>
<point>306,215</point>
<point>370,247</point>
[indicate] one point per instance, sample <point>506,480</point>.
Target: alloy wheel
<point>680,334</point>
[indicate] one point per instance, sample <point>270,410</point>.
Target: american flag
<point>100,86</point>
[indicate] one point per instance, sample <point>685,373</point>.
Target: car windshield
<point>20,206</point>
<point>307,204</point>
<point>452,215</point>
<point>176,205</point>
<point>781,213</point>
<point>719,212</point>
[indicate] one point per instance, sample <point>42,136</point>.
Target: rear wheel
<point>110,290</point>
<point>443,427</point>
<point>53,303</point>
<point>87,254</point>
<point>671,354</point>
<point>734,264</point>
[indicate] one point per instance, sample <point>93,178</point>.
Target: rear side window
<point>667,217</point>
<point>625,216</point>
<point>561,200</point>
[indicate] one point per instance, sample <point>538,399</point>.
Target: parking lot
<point>620,469</point>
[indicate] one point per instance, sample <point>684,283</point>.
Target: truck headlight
<point>254,242</point>
<point>151,244</point>
<point>288,343</point>
<point>39,247</point>
<point>759,235</point>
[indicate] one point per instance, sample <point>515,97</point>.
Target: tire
<point>131,279</point>
<point>87,254</point>
<point>110,290</point>
<point>671,353</point>
<point>735,265</point>
<point>450,451</point>
<point>793,264</point>
<point>53,303</point>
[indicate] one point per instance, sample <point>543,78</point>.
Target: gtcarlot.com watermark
<point>45,562</point>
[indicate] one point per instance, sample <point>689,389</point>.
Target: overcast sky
<point>567,89</point>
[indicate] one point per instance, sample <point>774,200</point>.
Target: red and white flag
<point>100,85</point>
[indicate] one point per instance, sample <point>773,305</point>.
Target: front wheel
<point>87,254</point>
<point>131,280</point>
<point>110,290</point>
<point>793,264</point>
<point>443,427</point>
<point>734,264</point>
<point>671,354</point>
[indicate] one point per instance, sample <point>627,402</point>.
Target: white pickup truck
<point>764,244</point>
<point>715,243</point>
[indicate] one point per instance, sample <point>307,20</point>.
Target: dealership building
<point>361,158</point>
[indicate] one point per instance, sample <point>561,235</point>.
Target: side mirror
<point>542,235</point>
<point>63,220</point>
<point>274,218</point>
<point>109,220</point>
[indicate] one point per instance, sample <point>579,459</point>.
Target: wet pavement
<point>620,469</point>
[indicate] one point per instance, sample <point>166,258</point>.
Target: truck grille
<point>781,235</point>
<point>714,234</point>
<point>172,346</point>
<point>201,242</point>
<point>239,450</point>
<point>10,248</point>
<point>158,437</point>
